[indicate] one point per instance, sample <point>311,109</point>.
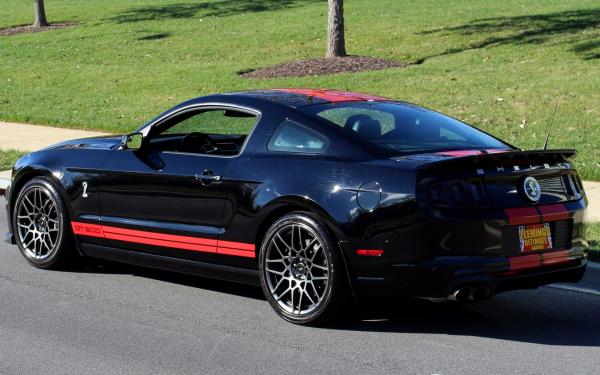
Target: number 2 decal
<point>85,194</point>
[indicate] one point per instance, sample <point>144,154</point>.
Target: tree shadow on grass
<point>578,28</point>
<point>156,36</point>
<point>219,8</point>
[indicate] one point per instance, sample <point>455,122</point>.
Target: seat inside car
<point>364,125</point>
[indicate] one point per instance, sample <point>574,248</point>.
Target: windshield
<point>405,128</point>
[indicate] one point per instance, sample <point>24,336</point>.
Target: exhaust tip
<point>462,294</point>
<point>481,292</point>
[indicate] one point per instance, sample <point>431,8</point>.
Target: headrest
<point>364,125</point>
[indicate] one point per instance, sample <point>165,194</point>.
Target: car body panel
<point>154,208</point>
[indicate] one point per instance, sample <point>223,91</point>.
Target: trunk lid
<point>497,179</point>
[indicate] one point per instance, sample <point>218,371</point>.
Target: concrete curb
<point>5,177</point>
<point>4,182</point>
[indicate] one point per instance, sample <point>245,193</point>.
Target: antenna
<point>551,123</point>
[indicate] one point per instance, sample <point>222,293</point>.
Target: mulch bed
<point>316,67</point>
<point>30,29</point>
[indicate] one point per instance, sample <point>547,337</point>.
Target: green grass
<point>591,232</point>
<point>8,158</point>
<point>502,66</point>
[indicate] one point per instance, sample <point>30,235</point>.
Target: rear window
<point>401,127</point>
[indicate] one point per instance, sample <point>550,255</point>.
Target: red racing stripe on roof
<point>335,96</point>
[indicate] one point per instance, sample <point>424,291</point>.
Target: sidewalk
<point>592,191</point>
<point>25,137</point>
<point>33,137</point>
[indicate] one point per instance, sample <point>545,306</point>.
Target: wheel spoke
<point>278,250</point>
<point>310,243</point>
<point>288,248</point>
<point>315,252</point>
<point>280,273</point>
<point>315,290</point>
<point>299,239</point>
<point>24,226</point>
<point>320,267</point>
<point>275,261</point>
<point>26,198</point>
<point>277,298</point>
<point>279,283</point>
<point>308,296</point>
<point>301,292</point>
<point>49,244</point>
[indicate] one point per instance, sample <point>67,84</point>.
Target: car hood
<point>101,142</point>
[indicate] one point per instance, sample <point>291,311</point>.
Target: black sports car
<point>316,195</point>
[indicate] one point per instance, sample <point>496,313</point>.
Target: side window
<point>293,137</point>
<point>216,121</point>
<point>220,132</point>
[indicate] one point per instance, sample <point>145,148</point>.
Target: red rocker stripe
<point>164,240</point>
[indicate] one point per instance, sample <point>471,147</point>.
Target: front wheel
<point>301,270</point>
<point>40,225</point>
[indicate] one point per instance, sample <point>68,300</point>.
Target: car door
<point>169,197</point>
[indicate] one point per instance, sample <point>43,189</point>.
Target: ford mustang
<point>318,196</point>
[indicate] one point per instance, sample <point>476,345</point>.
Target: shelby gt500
<point>318,196</point>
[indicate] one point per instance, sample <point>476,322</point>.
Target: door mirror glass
<point>132,141</point>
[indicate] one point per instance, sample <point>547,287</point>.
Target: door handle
<point>207,177</point>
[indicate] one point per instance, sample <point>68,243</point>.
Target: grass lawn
<point>8,158</point>
<point>502,66</point>
<point>592,234</point>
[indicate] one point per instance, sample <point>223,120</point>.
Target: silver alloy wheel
<point>38,223</point>
<point>297,269</point>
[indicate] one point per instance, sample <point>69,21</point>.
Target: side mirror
<point>132,141</point>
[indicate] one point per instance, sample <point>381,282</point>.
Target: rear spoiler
<point>510,158</point>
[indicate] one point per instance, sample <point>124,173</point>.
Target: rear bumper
<point>441,276</point>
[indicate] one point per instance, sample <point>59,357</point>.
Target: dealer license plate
<point>535,237</point>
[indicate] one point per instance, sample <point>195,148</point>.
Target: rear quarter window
<point>293,137</point>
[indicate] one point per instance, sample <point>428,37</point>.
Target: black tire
<point>55,247</point>
<point>325,292</point>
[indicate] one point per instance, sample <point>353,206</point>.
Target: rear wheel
<point>301,270</point>
<point>40,225</point>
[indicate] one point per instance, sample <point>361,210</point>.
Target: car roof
<point>295,97</point>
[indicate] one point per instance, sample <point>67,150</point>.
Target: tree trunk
<point>40,14</point>
<point>336,45</point>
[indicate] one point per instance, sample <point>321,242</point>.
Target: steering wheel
<point>197,143</point>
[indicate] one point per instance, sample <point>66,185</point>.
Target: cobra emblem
<point>532,189</point>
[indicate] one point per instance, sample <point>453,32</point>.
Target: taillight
<point>458,194</point>
<point>573,186</point>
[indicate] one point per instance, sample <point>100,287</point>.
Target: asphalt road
<point>108,318</point>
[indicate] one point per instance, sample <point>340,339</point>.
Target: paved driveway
<point>106,319</point>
